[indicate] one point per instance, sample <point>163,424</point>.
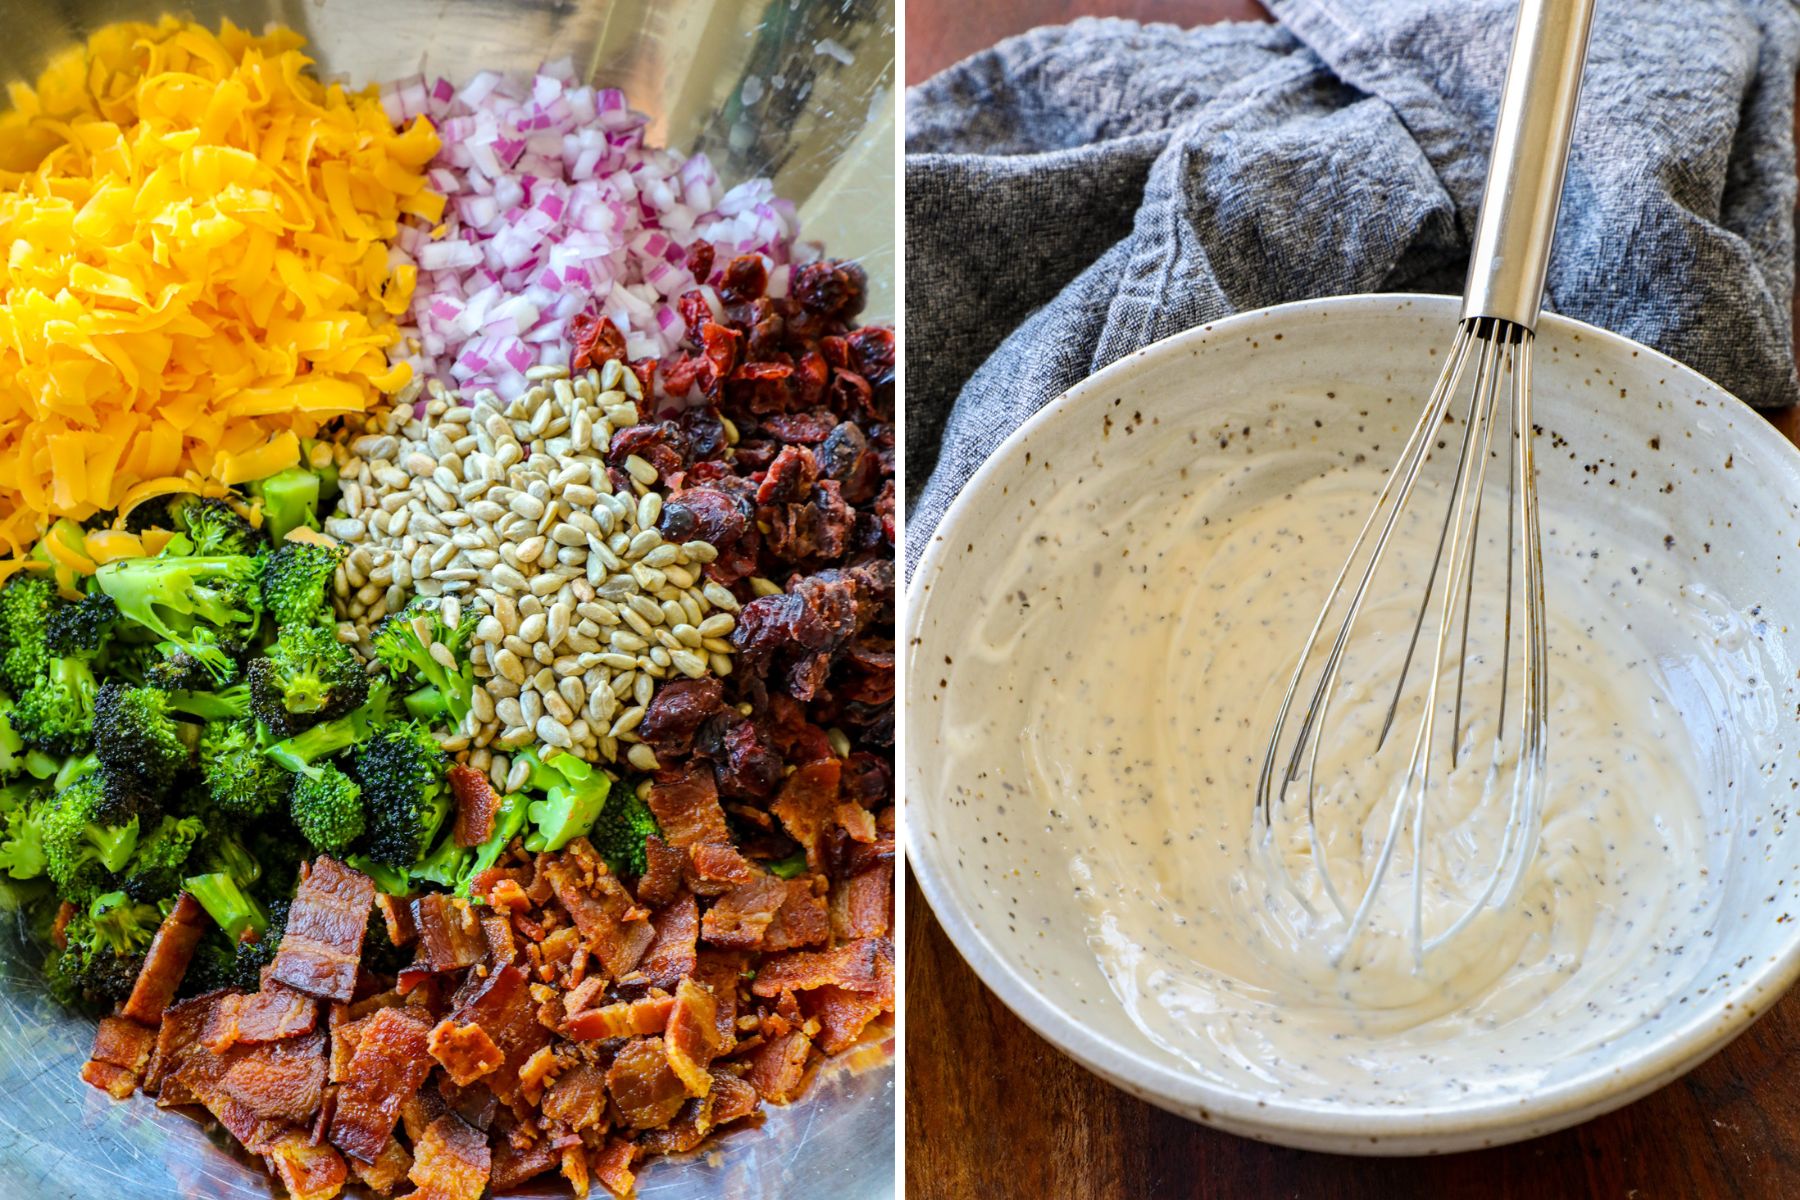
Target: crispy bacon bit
<point>714,870</point>
<point>536,1073</point>
<point>808,805</point>
<point>663,868</point>
<point>280,1081</point>
<point>391,1060</point>
<point>743,915</point>
<point>863,905</point>
<point>183,1024</point>
<point>497,931</point>
<point>322,949</point>
<point>167,961</point>
<point>274,1014</point>
<point>778,1070</point>
<point>476,805</point>
<point>802,920</point>
<point>685,802</point>
<point>121,1052</point>
<point>643,1085</point>
<point>308,1171</point>
<point>612,925</point>
<point>59,926</point>
<point>693,1037</point>
<point>523,1154</point>
<point>578,1097</point>
<point>451,1162</point>
<point>450,935</point>
<point>842,1015</point>
<point>625,1019</point>
<point>612,1166</point>
<point>865,965</point>
<point>501,1005</point>
<point>575,1169</point>
<point>396,914</point>
<point>671,954</point>
<point>466,1051</point>
<point>387,1171</point>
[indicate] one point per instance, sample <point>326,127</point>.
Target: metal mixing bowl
<point>823,129</point>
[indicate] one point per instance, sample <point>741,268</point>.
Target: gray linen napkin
<point>1078,192</point>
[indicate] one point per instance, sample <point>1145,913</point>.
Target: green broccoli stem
<point>390,881</point>
<point>298,753</point>
<point>223,705</point>
<point>508,823</point>
<point>290,501</point>
<point>446,866</point>
<point>427,704</point>
<point>227,905</point>
<point>791,867</point>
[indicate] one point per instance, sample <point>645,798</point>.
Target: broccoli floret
<point>12,746</point>
<point>55,712</point>
<point>220,963</point>
<point>447,866</point>
<point>398,645</point>
<point>574,794</point>
<point>81,851</point>
<point>205,606</point>
<point>121,924</point>
<point>135,735</point>
<point>391,881</point>
<point>299,752</point>
<point>791,867</point>
<point>26,603</point>
<point>327,808</point>
<point>290,500</point>
<point>230,907</point>
<point>404,796</point>
<point>214,527</point>
<point>241,781</point>
<point>155,870</point>
<point>80,630</point>
<point>171,668</point>
<point>22,836</point>
<point>427,705</point>
<point>306,676</point>
<point>226,704</point>
<point>619,834</point>
<point>296,582</point>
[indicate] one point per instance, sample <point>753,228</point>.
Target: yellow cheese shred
<point>195,273</point>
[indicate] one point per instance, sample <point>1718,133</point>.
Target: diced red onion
<point>557,205</point>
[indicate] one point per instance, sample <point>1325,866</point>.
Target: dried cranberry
<point>700,260</point>
<point>597,341</point>
<point>703,432</point>
<point>677,711</point>
<point>702,514</point>
<point>807,428</point>
<point>746,279</point>
<point>696,310</point>
<point>843,448</point>
<point>831,288</point>
<point>659,443</point>
<point>872,353</point>
<point>790,478</point>
<point>721,347</point>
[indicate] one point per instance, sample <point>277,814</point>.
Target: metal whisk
<point>1501,303</point>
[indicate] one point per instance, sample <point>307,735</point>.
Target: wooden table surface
<point>993,1112</point>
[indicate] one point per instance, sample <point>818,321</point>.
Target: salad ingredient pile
<point>436,772</point>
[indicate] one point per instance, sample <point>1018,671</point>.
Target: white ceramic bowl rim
<point>1705,1029</point>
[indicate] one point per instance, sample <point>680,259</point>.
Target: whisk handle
<point>1531,151</point>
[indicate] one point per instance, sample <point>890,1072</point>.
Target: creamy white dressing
<point>1145,653</point>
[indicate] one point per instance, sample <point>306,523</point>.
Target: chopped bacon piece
<point>476,805</point>
<point>643,1085</point>
<point>720,971</point>
<point>501,1005</point>
<point>611,924</point>
<point>663,868</point>
<point>344,1039</point>
<point>167,961</point>
<point>671,954</point>
<point>807,805</point>
<point>183,1024</point>
<point>866,965</point>
<point>693,1037</point>
<point>536,1073</point>
<point>517,1159</point>
<point>863,905</point>
<point>450,935</point>
<point>121,1052</point>
<point>418,1111</point>
<point>497,931</point>
<point>466,1051</point>
<point>802,920</point>
<point>625,1019</point>
<point>451,1162</point>
<point>392,1059</point>
<point>396,914</point>
<point>685,801</point>
<point>322,949</point>
<point>612,1167</point>
<point>732,1098</point>
<point>716,869</point>
<point>743,915</point>
<point>578,1097</point>
<point>575,1169</point>
<point>274,1014</point>
<point>778,1070</point>
<point>308,1171</point>
<point>387,1171</point>
<point>842,1015</point>
<point>59,926</point>
<point>279,1081</point>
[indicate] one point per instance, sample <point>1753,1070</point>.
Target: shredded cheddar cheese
<point>196,266</point>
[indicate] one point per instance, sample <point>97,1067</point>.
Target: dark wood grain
<point>994,1112</point>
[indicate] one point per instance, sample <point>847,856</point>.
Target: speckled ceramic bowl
<point>1622,424</point>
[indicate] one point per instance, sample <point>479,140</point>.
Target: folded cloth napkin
<point>1078,192</point>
